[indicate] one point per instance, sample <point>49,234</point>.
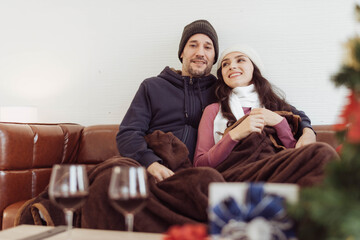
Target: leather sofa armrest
<point>10,213</point>
<point>28,152</point>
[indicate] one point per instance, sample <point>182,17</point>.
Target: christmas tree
<point>332,210</point>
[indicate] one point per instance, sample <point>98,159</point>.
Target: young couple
<point>161,132</point>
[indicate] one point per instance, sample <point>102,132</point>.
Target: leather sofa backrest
<point>97,144</point>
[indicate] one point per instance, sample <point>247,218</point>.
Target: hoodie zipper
<point>191,98</point>
<point>186,133</point>
<point>189,112</point>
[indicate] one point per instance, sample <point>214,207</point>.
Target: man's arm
<point>307,137</point>
<point>306,134</point>
<point>130,138</point>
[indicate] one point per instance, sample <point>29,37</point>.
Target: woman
<point>250,150</point>
<point>240,82</point>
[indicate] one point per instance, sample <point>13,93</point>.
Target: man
<point>173,101</point>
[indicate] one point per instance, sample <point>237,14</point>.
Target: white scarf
<point>239,97</point>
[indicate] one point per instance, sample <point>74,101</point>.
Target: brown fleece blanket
<point>182,198</point>
<point>176,200</point>
<point>179,199</point>
<point>255,158</point>
<point>262,157</point>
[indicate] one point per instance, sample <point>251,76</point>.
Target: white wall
<point>83,60</point>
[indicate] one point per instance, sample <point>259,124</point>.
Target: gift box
<point>254,211</point>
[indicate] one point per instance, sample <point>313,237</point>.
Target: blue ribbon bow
<point>257,204</point>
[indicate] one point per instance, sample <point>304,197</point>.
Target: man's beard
<point>200,73</point>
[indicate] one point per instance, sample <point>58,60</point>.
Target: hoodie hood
<point>190,85</point>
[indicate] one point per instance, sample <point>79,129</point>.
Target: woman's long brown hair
<point>274,101</point>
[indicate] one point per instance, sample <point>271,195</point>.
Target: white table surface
<point>77,234</point>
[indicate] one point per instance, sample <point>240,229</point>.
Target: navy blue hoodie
<point>170,103</point>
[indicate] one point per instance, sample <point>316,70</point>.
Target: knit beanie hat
<point>248,51</point>
<point>199,26</point>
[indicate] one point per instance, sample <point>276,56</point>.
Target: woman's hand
<point>253,123</point>
<point>271,118</point>
<point>159,171</point>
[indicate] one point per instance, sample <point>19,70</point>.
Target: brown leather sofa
<point>28,152</point>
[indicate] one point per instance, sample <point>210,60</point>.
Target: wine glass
<point>68,189</point>
<point>128,191</point>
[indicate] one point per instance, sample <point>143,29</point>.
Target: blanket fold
<point>174,153</point>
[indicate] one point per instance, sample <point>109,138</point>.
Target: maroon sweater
<point>207,153</point>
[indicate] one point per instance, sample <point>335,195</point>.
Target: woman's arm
<point>210,154</point>
<point>207,153</point>
<point>284,133</point>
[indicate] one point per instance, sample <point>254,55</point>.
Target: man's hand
<point>159,171</point>
<point>307,137</point>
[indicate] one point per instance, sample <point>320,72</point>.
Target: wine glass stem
<point>69,221</point>
<point>129,218</point>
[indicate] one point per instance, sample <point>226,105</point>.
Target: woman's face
<point>237,70</point>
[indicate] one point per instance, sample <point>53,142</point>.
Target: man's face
<point>198,56</point>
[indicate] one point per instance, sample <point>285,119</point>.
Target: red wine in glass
<point>131,205</point>
<point>68,189</point>
<point>71,202</point>
<point>128,191</point>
